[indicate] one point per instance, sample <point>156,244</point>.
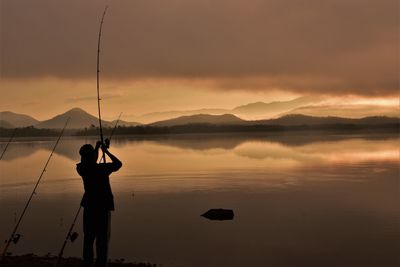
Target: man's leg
<point>102,238</point>
<point>89,230</point>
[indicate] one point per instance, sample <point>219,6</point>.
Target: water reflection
<point>299,200</point>
<point>252,145</point>
<point>198,161</point>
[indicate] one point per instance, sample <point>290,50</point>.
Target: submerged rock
<point>219,214</point>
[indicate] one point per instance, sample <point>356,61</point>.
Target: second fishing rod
<point>72,236</point>
<point>14,237</point>
<point>8,143</point>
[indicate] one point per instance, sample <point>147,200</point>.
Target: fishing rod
<point>98,79</point>
<point>9,141</point>
<point>113,131</point>
<point>14,236</point>
<point>72,236</point>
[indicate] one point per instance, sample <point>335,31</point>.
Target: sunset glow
<point>160,57</point>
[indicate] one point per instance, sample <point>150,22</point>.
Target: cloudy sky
<point>187,54</point>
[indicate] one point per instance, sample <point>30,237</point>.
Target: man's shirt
<point>96,181</point>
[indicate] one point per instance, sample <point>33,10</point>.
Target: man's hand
<point>107,142</point>
<point>103,147</point>
<point>98,144</point>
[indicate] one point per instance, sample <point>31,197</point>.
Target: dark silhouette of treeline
<point>29,131</point>
<point>212,128</point>
<point>202,128</point>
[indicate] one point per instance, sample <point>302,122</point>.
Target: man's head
<point>88,154</point>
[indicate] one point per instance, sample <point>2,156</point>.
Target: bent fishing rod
<point>14,237</point>
<point>9,141</point>
<point>98,80</point>
<point>72,236</point>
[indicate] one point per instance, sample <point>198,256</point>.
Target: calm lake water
<point>299,199</point>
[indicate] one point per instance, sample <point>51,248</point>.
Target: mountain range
<point>312,106</point>
<point>225,119</point>
<point>286,120</point>
<point>252,111</point>
<point>80,119</point>
<point>10,119</point>
<point>348,111</point>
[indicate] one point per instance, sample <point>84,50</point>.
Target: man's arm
<point>96,149</point>
<point>115,162</point>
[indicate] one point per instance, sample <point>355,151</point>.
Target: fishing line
<point>9,141</point>
<point>1,157</point>
<point>98,80</point>
<point>73,235</point>
<point>14,237</point>
<point>108,140</point>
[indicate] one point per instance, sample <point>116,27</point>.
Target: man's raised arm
<point>115,162</point>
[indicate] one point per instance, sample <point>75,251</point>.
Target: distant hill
<point>6,124</point>
<point>287,120</point>
<point>166,115</point>
<point>225,119</point>
<point>258,110</point>
<point>377,120</point>
<point>78,119</point>
<point>345,110</point>
<point>125,123</point>
<point>264,110</point>
<point>16,120</point>
<point>299,119</point>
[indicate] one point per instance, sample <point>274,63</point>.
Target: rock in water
<point>219,214</point>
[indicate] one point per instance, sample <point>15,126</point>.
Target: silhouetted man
<point>97,201</point>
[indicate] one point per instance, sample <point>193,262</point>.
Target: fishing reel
<point>14,238</point>
<point>73,236</point>
<point>107,143</point>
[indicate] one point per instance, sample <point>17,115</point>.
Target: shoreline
<point>33,260</point>
<point>285,132</point>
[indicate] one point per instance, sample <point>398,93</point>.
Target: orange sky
<point>176,55</point>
